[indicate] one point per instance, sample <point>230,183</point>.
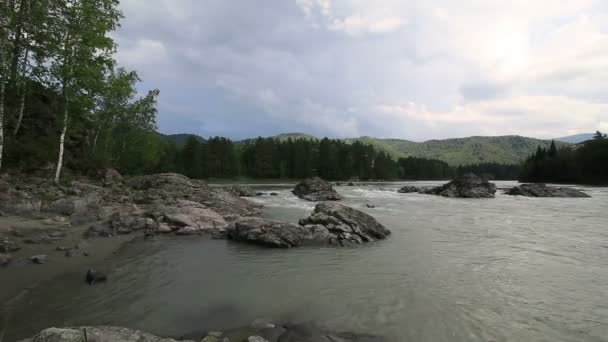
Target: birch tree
<point>5,13</point>
<point>83,52</point>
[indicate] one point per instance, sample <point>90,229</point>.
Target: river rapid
<point>506,269</point>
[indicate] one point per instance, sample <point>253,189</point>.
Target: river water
<point>507,269</point>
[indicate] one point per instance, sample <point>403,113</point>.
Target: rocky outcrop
<point>345,224</point>
<point>542,190</point>
<point>157,189</point>
<point>408,189</point>
<point>240,190</point>
<point>269,233</point>
<point>467,186</point>
<point>330,224</point>
<point>315,189</point>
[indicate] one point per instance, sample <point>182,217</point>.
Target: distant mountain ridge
<point>509,149</point>
<point>577,138</point>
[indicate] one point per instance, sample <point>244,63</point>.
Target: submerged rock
<point>542,190</point>
<point>345,223</point>
<point>93,277</point>
<point>467,186</point>
<point>315,189</point>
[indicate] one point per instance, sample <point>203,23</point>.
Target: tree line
<point>64,101</point>
<point>586,163</point>
<point>330,159</point>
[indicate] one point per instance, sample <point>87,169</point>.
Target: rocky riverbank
<point>258,331</point>
<point>73,226</point>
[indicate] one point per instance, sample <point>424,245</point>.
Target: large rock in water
<point>267,232</point>
<point>542,190</point>
<point>345,223</point>
<point>467,186</point>
<point>315,189</point>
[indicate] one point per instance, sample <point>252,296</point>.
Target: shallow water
<point>508,269</point>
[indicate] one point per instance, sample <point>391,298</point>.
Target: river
<point>507,269</point>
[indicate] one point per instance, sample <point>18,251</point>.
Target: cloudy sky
<point>388,68</point>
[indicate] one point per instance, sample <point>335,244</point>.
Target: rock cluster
<point>467,186</point>
<point>542,190</point>
<point>315,189</point>
<point>330,223</point>
<point>300,332</point>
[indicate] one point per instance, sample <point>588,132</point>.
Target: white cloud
<point>410,69</point>
<point>357,24</point>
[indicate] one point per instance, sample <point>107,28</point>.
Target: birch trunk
<point>23,93</point>
<point>61,144</point>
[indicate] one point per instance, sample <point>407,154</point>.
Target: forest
<point>586,163</point>
<point>331,159</point>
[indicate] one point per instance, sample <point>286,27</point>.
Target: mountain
<point>576,139</point>
<point>509,149</point>
<point>180,139</point>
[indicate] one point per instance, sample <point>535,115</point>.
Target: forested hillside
<point>459,151</point>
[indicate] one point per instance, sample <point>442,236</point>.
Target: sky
<point>417,70</point>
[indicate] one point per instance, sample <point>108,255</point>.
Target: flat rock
<point>316,189</point>
<point>542,190</point>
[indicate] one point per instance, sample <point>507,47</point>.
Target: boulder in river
<point>316,189</point>
<point>267,232</point>
<point>542,190</point>
<point>345,223</point>
<point>467,186</point>
<point>408,189</point>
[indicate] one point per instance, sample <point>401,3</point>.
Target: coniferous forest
<point>585,163</point>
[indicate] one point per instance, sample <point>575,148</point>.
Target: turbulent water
<point>508,269</point>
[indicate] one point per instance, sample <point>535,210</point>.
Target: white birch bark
<point>61,144</point>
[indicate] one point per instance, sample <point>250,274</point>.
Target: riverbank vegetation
<point>586,163</point>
